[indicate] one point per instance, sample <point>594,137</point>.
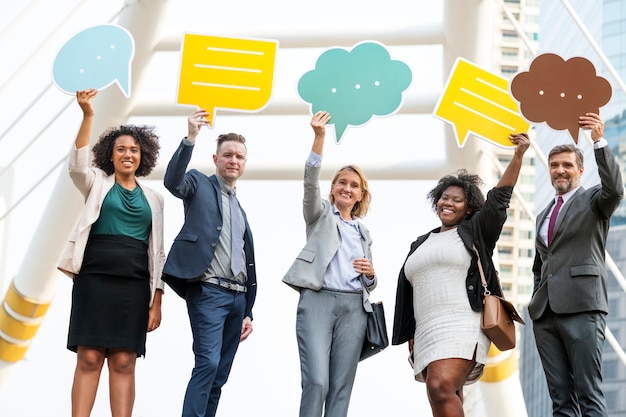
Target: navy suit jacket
<point>194,246</point>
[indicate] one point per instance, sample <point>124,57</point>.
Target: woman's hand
<point>363,266</point>
<point>511,173</point>
<point>154,317</point>
<point>318,123</point>
<point>521,142</point>
<point>154,314</point>
<point>84,98</point>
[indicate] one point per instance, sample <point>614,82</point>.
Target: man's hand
<point>246,329</point>
<point>591,121</point>
<point>195,121</point>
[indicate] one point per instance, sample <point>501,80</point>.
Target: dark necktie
<point>553,216</point>
<point>236,235</point>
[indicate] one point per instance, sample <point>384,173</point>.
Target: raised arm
<point>612,193</point>
<point>511,173</point>
<point>84,98</point>
<point>318,123</point>
<point>312,204</point>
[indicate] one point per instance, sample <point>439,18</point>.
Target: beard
<point>561,187</point>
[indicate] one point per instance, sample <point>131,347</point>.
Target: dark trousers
<point>216,315</point>
<point>570,347</point>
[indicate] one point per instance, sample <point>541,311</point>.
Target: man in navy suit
<point>211,263</point>
<point>569,302</point>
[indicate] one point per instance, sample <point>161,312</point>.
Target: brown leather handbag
<point>498,316</point>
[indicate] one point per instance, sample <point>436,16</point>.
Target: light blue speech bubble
<point>95,58</point>
<point>355,85</point>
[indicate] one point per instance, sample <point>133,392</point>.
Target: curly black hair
<point>470,183</point>
<point>144,135</point>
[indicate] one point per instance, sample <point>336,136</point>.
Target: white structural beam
<point>312,37</point>
<point>422,103</point>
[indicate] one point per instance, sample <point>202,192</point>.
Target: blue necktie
<point>236,235</point>
<point>553,216</point>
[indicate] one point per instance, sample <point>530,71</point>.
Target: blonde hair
<point>360,208</point>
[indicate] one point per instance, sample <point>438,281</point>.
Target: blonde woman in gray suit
<point>330,273</point>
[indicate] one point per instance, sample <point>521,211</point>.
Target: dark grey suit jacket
<point>570,276</point>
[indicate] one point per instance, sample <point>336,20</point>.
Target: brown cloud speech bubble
<point>557,92</point>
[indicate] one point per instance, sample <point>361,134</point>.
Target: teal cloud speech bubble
<point>95,58</point>
<point>355,85</point>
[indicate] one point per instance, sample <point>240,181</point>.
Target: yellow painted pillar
<point>500,385</point>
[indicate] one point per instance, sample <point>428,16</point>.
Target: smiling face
<point>126,155</point>
<point>565,172</point>
<point>230,161</point>
<point>347,190</point>
<point>452,207</point>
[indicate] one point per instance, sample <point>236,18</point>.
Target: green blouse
<point>124,213</point>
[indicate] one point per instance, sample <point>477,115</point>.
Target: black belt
<point>226,284</point>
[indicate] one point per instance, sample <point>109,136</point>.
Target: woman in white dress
<point>440,296</point>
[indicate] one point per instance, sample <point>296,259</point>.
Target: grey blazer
<point>323,238</point>
<point>571,274</point>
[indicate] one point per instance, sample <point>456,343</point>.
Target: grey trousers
<point>570,348</point>
<point>330,327</point>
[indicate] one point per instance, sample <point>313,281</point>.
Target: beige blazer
<point>94,185</point>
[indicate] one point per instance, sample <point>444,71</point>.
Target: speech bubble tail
<point>124,86</point>
<point>339,131</point>
<point>461,135</point>
<point>574,132</point>
<point>210,117</point>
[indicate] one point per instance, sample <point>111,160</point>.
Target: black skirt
<point>111,296</point>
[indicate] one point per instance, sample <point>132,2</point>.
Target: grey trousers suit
<point>569,301</point>
<point>330,325</point>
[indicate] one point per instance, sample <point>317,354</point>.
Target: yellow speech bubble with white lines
<point>226,73</point>
<point>478,102</point>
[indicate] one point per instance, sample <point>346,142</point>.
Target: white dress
<point>445,324</point>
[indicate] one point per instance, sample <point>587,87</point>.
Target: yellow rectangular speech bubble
<point>226,73</point>
<point>477,101</point>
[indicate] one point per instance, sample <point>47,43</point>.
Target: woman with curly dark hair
<point>115,256</point>
<point>439,296</point>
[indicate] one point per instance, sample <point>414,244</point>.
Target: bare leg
<point>444,383</point>
<point>89,362</point>
<point>122,381</point>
